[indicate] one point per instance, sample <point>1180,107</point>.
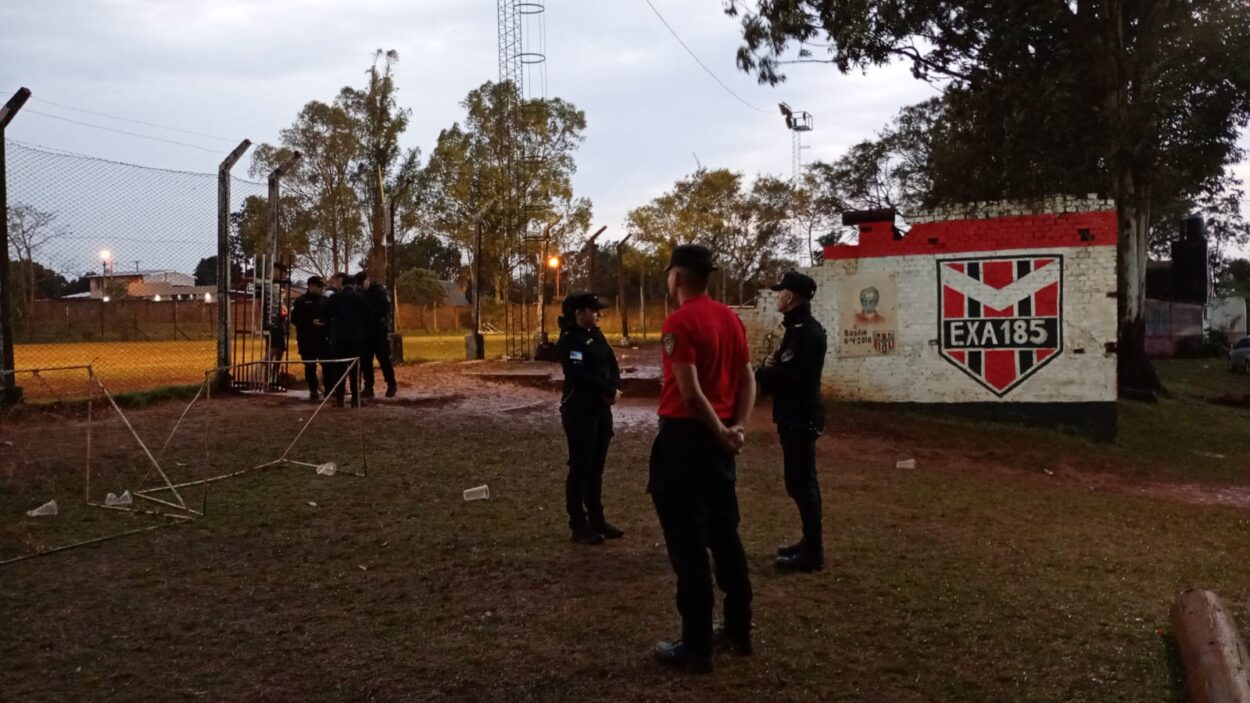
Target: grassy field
<point>998,570</point>
<point>133,366</point>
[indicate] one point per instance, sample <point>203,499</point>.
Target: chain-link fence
<point>114,265</point>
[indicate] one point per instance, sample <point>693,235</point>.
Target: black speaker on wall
<point>1191,270</point>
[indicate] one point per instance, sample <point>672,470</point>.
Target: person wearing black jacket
<point>312,333</point>
<point>592,382</point>
<point>791,374</point>
<point>378,340</point>
<point>349,315</point>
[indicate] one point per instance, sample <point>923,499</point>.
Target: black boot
<point>678,655</point>
<point>807,560</point>
<point>367,392</point>
<point>789,550</point>
<point>739,644</point>
<point>585,535</point>
<point>391,390</point>
<point>314,398</point>
<point>607,529</point>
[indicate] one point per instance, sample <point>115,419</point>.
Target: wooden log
<point>1216,661</point>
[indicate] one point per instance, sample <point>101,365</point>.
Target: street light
<point>208,297</point>
<point>554,262</point>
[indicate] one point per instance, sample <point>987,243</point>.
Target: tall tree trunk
<point>1137,377</point>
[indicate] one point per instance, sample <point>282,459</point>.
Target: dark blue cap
<point>796,282</point>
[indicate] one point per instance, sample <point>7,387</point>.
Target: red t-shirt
<point>711,336</point>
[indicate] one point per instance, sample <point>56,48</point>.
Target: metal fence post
<point>223,261</point>
<point>8,381</point>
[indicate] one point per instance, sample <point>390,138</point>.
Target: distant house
<point>149,285</point>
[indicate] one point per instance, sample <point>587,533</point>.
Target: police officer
<point>312,334</point>
<point>592,382</point>
<point>792,375</point>
<point>706,397</point>
<point>349,315</point>
<point>378,341</point>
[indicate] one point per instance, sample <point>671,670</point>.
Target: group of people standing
<point>346,319</point>
<point>708,390</point>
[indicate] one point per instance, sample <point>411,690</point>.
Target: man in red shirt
<point>707,394</point>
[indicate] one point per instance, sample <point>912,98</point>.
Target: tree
<point>749,229</point>
<point>1133,95</point>
<point>420,286</point>
<point>507,170</point>
<point>428,251</point>
<point>1234,279</point>
<point>380,165</point>
<point>30,230</point>
<point>206,272</point>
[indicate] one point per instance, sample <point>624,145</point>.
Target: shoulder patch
<point>575,356</point>
<point>669,340</point>
<point>787,355</point>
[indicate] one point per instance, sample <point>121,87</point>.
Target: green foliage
<point>420,286</point>
<point>427,251</point>
<point>472,182</point>
<point>747,227</point>
<point>333,213</point>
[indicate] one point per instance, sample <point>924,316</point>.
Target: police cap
<point>692,256</point>
<point>581,301</point>
<point>796,282</point>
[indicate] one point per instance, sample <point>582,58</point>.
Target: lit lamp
<point>106,256</point>
<point>554,262</point>
<point>208,297</point>
<point>157,298</point>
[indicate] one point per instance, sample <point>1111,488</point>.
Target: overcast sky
<point>244,68</point>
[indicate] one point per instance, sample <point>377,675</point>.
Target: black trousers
<point>310,371</point>
<point>798,452</point>
<point>346,350</point>
<point>379,348</point>
<point>692,486</point>
<point>589,432</point>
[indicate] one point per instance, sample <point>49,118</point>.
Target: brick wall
<point>988,303</point>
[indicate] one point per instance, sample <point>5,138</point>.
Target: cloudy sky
<point>243,68</point>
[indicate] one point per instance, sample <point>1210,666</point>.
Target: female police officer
<point>592,382</point>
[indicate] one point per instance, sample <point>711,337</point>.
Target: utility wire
<point>120,131</point>
<point>134,121</point>
<point>698,61</point>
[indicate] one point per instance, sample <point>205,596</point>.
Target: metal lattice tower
<point>522,62</point>
<point>798,123</point>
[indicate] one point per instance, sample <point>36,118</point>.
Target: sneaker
<point>391,390</point>
<point>789,550</point>
<point>738,644</point>
<point>609,531</point>
<point>585,535</point>
<point>678,655</point>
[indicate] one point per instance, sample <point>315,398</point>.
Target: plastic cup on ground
<point>481,492</point>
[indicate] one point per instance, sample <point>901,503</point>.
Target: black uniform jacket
<point>314,340</point>
<point>380,303</point>
<point>350,315</point>
<point>794,378</point>
<point>591,375</point>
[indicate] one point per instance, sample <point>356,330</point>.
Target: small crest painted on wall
<point>1000,319</point>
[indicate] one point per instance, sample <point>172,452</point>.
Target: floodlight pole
<point>11,392</point>
<point>621,309</point>
<point>223,262</point>
<point>593,250</point>
<point>397,341</point>
<point>474,343</point>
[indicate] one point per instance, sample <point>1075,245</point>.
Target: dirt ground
<point>1011,564</point>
